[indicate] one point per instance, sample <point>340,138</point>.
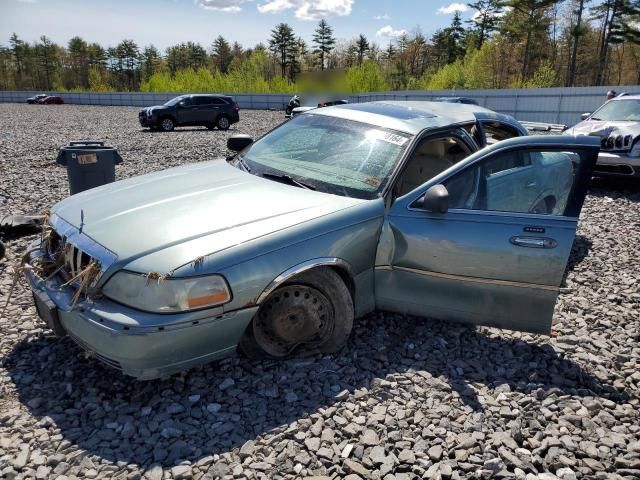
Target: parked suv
<point>191,110</point>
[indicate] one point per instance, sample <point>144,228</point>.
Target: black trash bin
<point>89,164</point>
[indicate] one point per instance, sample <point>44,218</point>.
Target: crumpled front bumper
<point>141,344</point>
<point>617,165</point>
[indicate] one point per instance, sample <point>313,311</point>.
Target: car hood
<point>153,107</point>
<point>201,208</point>
<point>606,130</point>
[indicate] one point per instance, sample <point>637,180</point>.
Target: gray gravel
<point>408,398</point>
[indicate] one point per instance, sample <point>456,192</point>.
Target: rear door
<point>494,257</point>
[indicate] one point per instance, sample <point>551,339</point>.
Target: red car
<point>51,99</point>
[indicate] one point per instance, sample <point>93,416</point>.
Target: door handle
<point>533,242</point>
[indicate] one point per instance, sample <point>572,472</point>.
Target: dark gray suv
<point>209,111</point>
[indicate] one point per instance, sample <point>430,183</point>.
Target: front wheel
<point>167,124</point>
<point>312,313</point>
<point>223,123</point>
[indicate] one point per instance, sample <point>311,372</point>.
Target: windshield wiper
<point>243,163</point>
<point>288,179</point>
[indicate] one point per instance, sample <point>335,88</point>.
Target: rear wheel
<point>223,122</point>
<point>312,313</point>
<point>167,124</point>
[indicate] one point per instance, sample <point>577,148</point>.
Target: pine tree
<point>576,32</point>
<point>150,61</point>
<point>486,19</point>
<point>529,17</point>
<point>77,63</point>
<point>323,41</point>
<point>17,48</point>
<point>283,45</point>
<point>362,47</point>
<point>46,52</point>
<point>222,54</point>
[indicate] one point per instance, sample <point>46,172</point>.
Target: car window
<point>201,100</point>
<point>333,154</point>
<point>497,131</point>
<point>217,101</point>
<point>619,110</point>
<point>176,100</point>
<point>518,181</point>
<point>431,157</point>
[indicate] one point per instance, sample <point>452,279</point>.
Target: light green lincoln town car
<point>442,210</point>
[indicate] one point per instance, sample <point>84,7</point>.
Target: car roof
<point>626,96</point>
<point>412,117</point>
<point>217,95</point>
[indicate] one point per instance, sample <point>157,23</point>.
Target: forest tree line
<point>506,44</point>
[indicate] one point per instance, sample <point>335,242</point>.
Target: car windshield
<point>619,110</point>
<point>174,101</point>
<point>329,154</point>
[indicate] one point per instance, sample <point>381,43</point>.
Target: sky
<point>168,22</point>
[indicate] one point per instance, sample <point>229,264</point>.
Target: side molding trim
<point>302,267</point>
<point>449,276</point>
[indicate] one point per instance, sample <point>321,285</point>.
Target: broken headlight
<point>169,295</point>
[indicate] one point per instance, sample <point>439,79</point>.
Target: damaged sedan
<point>415,207</point>
<point>617,125</point>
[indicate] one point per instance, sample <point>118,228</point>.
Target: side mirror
<point>585,115</point>
<point>239,142</point>
<point>182,103</point>
<point>436,199</point>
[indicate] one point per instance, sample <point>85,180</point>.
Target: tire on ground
<point>327,281</point>
<point>167,124</point>
<point>223,122</point>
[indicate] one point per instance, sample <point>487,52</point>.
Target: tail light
<point>236,107</point>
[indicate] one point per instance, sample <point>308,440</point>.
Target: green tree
<point>361,47</point>
<point>576,32</point>
<point>283,45</point>
<point>619,24</point>
<point>150,61</point>
<point>323,41</point>
<point>529,17</point>
<point>77,64</point>
<point>222,54</point>
<point>486,19</point>
<point>46,52</point>
<point>18,49</point>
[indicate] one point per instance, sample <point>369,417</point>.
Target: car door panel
<point>185,112</point>
<point>496,268</point>
<point>468,263</point>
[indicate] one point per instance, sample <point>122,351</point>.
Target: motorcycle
<point>293,103</point>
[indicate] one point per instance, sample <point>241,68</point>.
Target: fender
<point>303,267</point>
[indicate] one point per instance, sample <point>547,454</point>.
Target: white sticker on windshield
<point>395,139</point>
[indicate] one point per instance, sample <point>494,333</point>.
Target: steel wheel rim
<point>294,315</point>
<point>223,123</point>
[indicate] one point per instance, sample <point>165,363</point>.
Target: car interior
<point>431,157</point>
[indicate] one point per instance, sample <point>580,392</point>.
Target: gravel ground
<point>408,398</point>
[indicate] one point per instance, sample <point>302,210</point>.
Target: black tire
<point>223,122</point>
<point>324,288</point>
<point>167,124</point>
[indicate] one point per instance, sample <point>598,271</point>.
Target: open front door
<point>497,255</point>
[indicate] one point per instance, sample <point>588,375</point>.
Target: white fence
<point>550,105</point>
